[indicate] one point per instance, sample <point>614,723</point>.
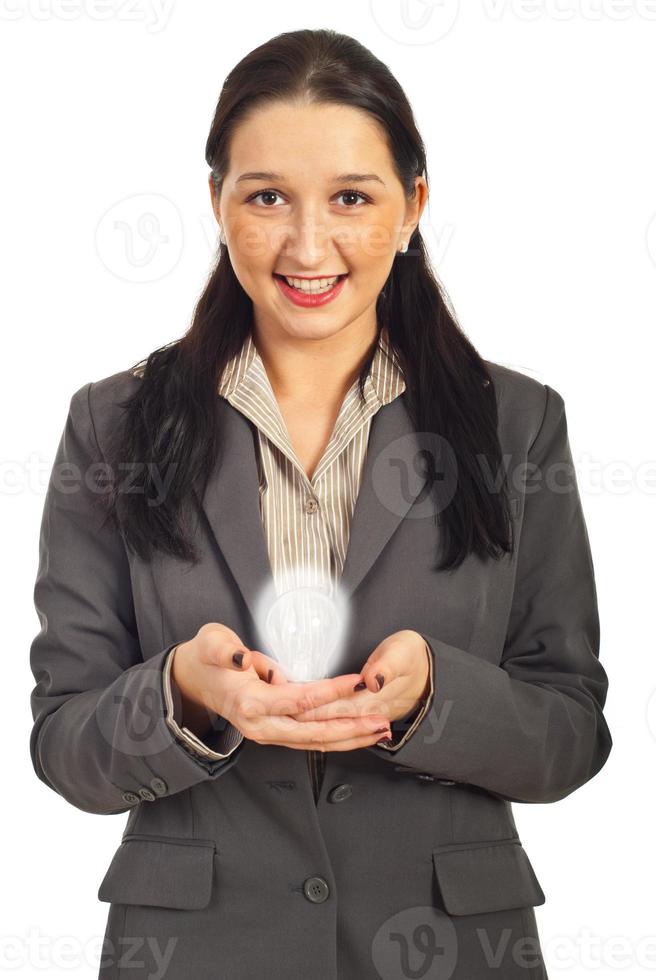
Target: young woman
<point>323,454</point>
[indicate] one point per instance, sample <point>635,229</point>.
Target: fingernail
<point>386,741</point>
<point>381,680</point>
<point>237,659</point>
<point>360,686</point>
<point>269,676</point>
<point>383,729</point>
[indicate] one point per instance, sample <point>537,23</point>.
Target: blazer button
<point>146,794</point>
<point>158,786</point>
<point>131,798</point>
<point>339,793</point>
<point>316,889</point>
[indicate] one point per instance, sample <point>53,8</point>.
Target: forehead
<point>304,141</point>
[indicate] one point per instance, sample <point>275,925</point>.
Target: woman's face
<point>292,205</point>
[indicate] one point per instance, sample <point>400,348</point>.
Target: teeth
<point>312,285</point>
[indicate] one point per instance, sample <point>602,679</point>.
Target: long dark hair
<point>171,416</point>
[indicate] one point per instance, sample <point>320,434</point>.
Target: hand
<point>401,662</point>
<point>258,699</point>
<point>194,669</point>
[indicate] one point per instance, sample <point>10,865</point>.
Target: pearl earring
<point>222,237</point>
<point>404,247</point>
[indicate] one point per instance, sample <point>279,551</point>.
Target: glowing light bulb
<point>304,628</point>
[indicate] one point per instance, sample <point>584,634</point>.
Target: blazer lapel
<point>232,507</point>
<point>386,493</point>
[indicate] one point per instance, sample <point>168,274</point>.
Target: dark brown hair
<point>171,419</point>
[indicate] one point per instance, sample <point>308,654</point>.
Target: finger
<point>221,647</point>
<point>292,697</point>
<point>356,706</point>
<point>267,669</point>
<point>313,734</point>
<point>314,694</point>
<point>380,669</point>
<point>346,745</point>
<point>357,743</point>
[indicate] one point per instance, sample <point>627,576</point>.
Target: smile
<point>310,292</point>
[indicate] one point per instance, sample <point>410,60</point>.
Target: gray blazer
<point>410,864</point>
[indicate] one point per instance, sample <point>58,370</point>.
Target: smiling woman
<point>325,434</point>
<point>310,224</point>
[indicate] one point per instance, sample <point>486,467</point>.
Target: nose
<point>307,239</point>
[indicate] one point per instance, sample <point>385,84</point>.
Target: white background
<point>538,119</point>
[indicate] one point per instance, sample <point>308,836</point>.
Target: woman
<point>324,433</point>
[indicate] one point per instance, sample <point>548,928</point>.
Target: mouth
<point>304,291</point>
<point>311,284</point>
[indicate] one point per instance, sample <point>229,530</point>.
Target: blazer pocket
<point>486,876</point>
<point>164,871</point>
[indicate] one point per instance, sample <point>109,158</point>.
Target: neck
<point>308,371</point>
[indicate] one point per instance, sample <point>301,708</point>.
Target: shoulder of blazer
<point>522,403</point>
<point>102,402</point>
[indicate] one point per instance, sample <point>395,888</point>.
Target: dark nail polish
<point>385,741</point>
<point>237,659</point>
<point>360,687</point>
<point>378,731</point>
<point>270,675</point>
<point>381,681</point>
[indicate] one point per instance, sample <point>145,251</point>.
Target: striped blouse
<point>306,521</point>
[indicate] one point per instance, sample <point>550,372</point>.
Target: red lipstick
<point>309,299</point>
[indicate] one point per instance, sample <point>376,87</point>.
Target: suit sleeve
<point>530,729</point>
<point>100,736</point>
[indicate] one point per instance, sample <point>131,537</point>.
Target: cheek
<point>253,244</point>
<point>370,267</point>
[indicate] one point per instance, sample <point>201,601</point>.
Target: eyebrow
<point>338,179</point>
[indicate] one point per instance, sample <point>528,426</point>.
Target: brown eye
<point>266,193</point>
<point>353,194</point>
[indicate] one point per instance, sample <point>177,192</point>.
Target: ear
<point>215,208</point>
